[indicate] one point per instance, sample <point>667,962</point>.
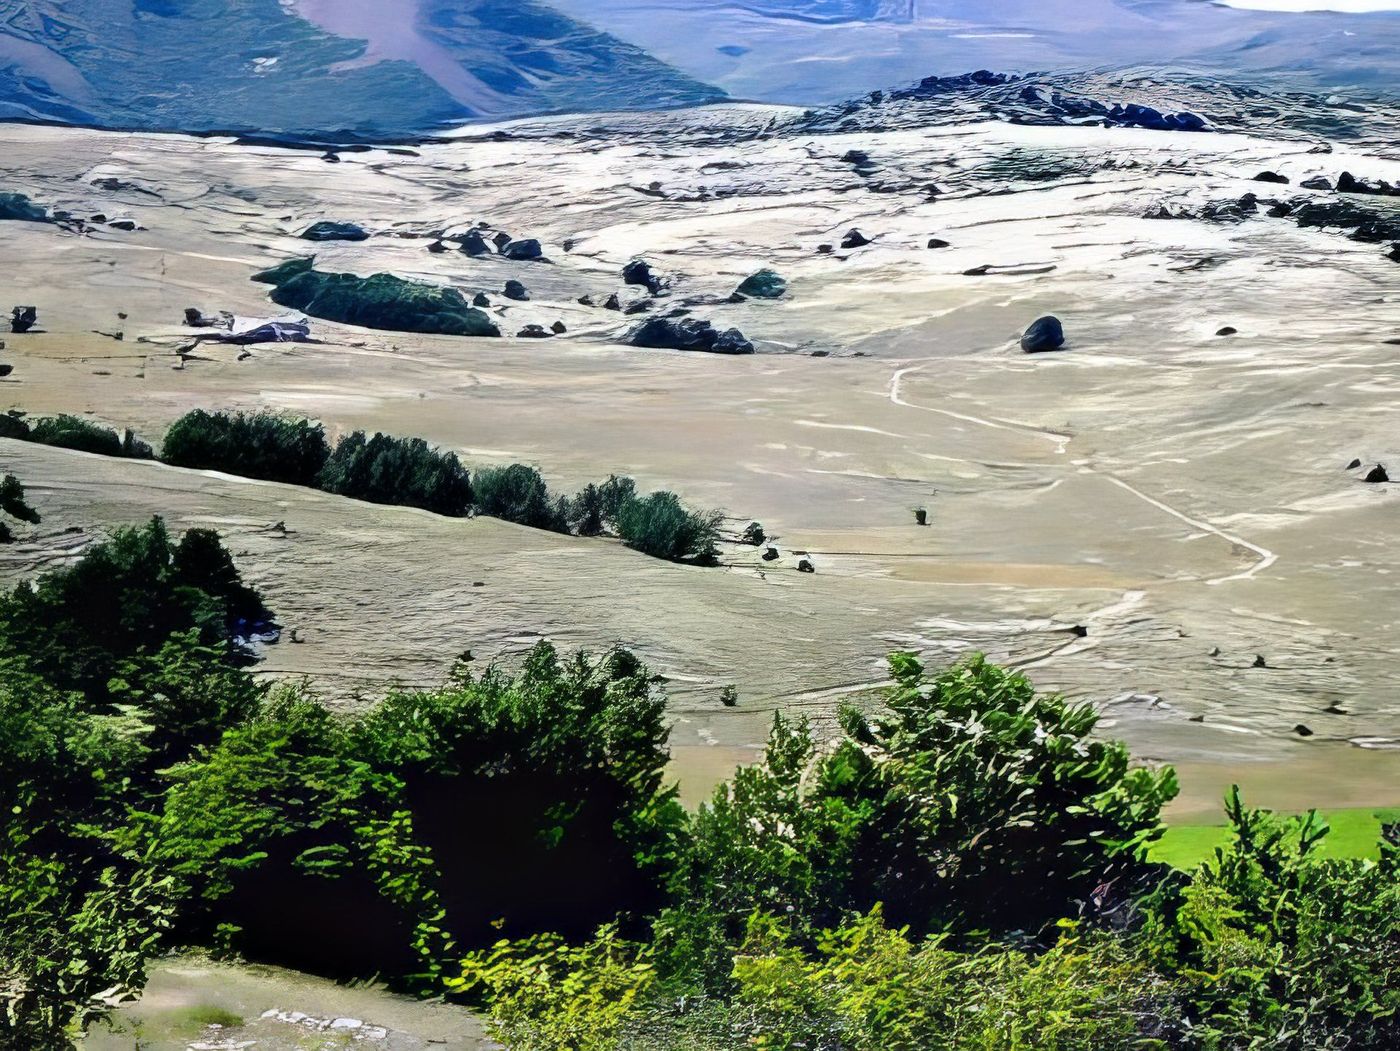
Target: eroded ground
<point>1180,495</point>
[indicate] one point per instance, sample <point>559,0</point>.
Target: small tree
<point>518,494</point>
<point>661,526</point>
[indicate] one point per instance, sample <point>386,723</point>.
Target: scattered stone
<point>474,244</point>
<point>22,319</point>
<point>1335,709</point>
<point>481,299</point>
<point>804,565</point>
<point>522,251</point>
<point>770,554</point>
<point>515,290</point>
<point>1322,147</point>
<point>638,272</point>
<point>1302,730</point>
<point>1196,719</point>
<point>586,300</point>
<point>533,332</point>
<point>126,225</point>
<point>754,534</point>
<point>196,318</point>
<point>331,157</point>
<point>921,516</point>
<point>1044,334</point>
<point>729,696</point>
<point>1273,177</point>
<point>1259,661</point>
<point>1348,183</point>
<point>854,239</point>
<point>938,242</point>
<point>1355,463</point>
<point>501,240</point>
<point>1228,330</point>
<point>638,306</point>
<point>1279,210</point>
<point>558,328</point>
<point>1317,182</point>
<point>824,249</point>
<point>1214,651</point>
<point>326,230</point>
<point>437,247</point>
<point>764,284</point>
<point>1079,631</point>
<point>688,334</point>
<point>612,302</point>
<point>1376,475</point>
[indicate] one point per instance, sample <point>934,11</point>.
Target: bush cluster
<point>410,472</point>
<point>74,432</point>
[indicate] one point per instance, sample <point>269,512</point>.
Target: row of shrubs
<point>74,432</point>
<point>410,472</point>
<point>962,868</point>
<point>407,472</point>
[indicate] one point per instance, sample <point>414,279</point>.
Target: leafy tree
<point>1279,947</point>
<point>12,500</point>
<point>73,432</point>
<point>252,445</point>
<point>405,471</point>
<point>518,494</point>
<point>659,525</point>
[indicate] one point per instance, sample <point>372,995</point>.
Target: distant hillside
<point>367,67</point>
<point>816,51</point>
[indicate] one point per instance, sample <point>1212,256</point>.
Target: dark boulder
<point>523,250</point>
<point>1273,177</point>
<point>437,247</point>
<point>515,290</point>
<point>854,239</point>
<point>1348,183</point>
<point>639,306</point>
<point>126,225</point>
<point>1376,475</point>
<point>558,328</point>
<point>533,332</point>
<point>804,565</point>
<point>326,230</point>
<point>688,334</point>
<point>824,249</point>
<point>1044,334</point>
<point>481,299</point>
<point>22,319</point>
<point>501,240</point>
<point>1356,463</point>
<point>938,242</point>
<point>474,244</point>
<point>1317,182</point>
<point>1228,330</point>
<point>765,284</point>
<point>638,272</point>
<point>770,554</point>
<point>612,302</point>
<point>19,208</point>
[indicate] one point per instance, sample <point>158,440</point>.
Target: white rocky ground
<point>1180,495</point>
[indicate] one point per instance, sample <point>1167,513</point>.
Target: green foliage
<point>125,596</point>
<point>253,445</point>
<point>547,994</point>
<point>404,471</point>
<point>12,500</point>
<point>970,804</point>
<point>381,301</point>
<point>595,509</point>
<point>1279,947</point>
<point>519,494</point>
<point>13,425</point>
<point>661,526</point>
<point>72,432</point>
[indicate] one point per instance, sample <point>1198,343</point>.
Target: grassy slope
<point>1355,833</point>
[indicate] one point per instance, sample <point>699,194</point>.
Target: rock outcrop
<point>688,334</point>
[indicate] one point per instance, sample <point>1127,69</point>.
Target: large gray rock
<point>765,284</point>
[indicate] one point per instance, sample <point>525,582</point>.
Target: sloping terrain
<point>353,69</point>
<point>816,51</point>
<point>1159,519</point>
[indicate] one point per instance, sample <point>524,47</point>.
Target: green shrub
<point>659,525</point>
<point>595,508</point>
<point>969,804</point>
<point>252,445</point>
<point>12,500</point>
<point>1279,947</point>
<point>125,596</point>
<point>381,301</point>
<point>13,425</point>
<point>518,494</point>
<point>72,432</point>
<point>404,471</point>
